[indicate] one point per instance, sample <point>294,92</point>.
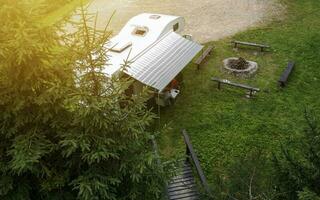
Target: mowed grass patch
<point>224,125</point>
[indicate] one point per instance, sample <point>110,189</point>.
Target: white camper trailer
<point>155,49</point>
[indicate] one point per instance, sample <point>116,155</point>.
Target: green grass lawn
<point>224,125</point>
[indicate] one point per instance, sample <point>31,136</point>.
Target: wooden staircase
<point>183,185</point>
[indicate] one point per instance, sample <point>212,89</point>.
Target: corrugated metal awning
<point>163,61</point>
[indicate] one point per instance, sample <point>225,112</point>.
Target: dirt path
<point>206,20</point>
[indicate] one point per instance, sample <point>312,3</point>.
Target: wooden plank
<point>261,46</point>
<point>177,189</point>
<point>285,75</point>
<point>204,55</point>
<point>251,44</point>
<point>190,151</point>
<point>183,185</point>
<point>234,84</point>
<point>188,196</point>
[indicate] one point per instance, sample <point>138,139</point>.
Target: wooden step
<point>183,185</point>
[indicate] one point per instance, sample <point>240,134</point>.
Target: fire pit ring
<point>240,67</point>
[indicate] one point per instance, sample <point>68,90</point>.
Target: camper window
<point>140,31</point>
<point>176,27</point>
<point>154,16</point>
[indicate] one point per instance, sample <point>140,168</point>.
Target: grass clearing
<point>224,125</point>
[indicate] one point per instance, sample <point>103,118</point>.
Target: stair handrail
<point>191,154</point>
<point>156,152</point>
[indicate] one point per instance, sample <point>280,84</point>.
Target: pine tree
<point>108,131</point>
<point>31,101</point>
<point>67,131</point>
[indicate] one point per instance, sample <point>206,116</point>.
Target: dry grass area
<point>207,20</point>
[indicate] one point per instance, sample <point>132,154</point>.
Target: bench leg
<point>198,67</point>
<point>261,49</point>
<point>250,93</point>
<point>235,45</point>
<point>219,85</point>
<point>282,84</point>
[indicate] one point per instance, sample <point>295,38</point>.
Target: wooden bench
<point>285,75</point>
<point>203,56</point>
<point>261,46</point>
<point>224,81</point>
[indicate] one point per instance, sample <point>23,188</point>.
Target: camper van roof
<point>154,49</point>
<point>136,36</point>
<point>154,21</point>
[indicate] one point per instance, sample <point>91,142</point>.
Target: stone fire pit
<point>240,66</point>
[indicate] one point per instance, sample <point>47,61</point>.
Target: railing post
<point>187,154</point>
<point>155,150</point>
